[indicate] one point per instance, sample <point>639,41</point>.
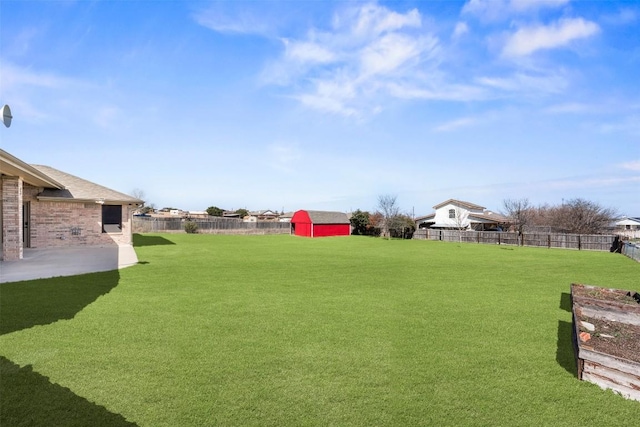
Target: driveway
<point>44,263</point>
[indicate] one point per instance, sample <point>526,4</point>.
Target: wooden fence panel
<point>210,225</point>
<point>594,242</point>
<point>509,239</point>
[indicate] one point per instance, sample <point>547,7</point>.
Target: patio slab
<point>45,263</point>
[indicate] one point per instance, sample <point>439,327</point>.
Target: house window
<point>111,218</point>
<point>452,213</point>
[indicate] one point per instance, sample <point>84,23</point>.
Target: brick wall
<point>53,224</point>
<point>11,195</point>
<point>60,224</point>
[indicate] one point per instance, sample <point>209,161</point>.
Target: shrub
<point>190,227</point>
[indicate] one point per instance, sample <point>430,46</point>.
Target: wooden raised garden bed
<point>606,337</point>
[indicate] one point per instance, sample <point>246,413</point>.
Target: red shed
<point>320,224</point>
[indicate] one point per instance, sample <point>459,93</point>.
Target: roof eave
<point>13,166</point>
<point>85,200</point>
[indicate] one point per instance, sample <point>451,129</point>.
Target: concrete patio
<point>45,263</point>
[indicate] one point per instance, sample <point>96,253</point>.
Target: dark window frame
<point>111,216</point>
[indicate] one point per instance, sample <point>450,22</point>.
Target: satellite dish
<point>6,115</point>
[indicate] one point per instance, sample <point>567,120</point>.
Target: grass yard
<point>281,330</point>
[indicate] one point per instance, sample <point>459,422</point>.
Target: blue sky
<point>327,105</point>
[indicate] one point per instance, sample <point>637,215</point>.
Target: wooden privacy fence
<point>593,242</point>
<point>213,225</point>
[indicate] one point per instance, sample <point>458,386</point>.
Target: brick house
<point>42,207</point>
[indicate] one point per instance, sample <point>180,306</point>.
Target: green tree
<point>359,222</point>
<point>402,226</point>
<point>214,211</point>
<point>242,212</point>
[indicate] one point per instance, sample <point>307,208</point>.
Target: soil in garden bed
<point>604,294</point>
<point>613,338</point>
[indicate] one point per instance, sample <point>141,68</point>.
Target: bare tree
<point>389,210</point>
<point>460,219</point>
<point>582,216</point>
<point>519,211</point>
<point>138,193</point>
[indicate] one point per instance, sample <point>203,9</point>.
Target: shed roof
<point>328,217</point>
<point>80,190</point>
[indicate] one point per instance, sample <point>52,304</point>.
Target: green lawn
<point>282,330</point>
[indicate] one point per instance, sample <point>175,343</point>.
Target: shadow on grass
<point>565,355</point>
<point>142,240</point>
<point>30,399</point>
<point>565,302</point>
<point>41,302</point>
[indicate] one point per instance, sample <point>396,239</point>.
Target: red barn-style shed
<point>320,224</point>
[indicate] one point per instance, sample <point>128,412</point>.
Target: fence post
<point>579,243</point>
<point>548,241</point>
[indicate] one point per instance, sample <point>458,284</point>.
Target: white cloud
<point>570,108</point>
<point>628,124</point>
<point>371,20</point>
<point>310,52</point>
<point>349,68</point>
<point>633,165</point>
<point>437,90</point>
<point>461,29</point>
<point>224,24</point>
<point>15,76</point>
<point>521,82</point>
<point>389,53</point>
<point>331,96</point>
<point>528,40</point>
<point>456,124</point>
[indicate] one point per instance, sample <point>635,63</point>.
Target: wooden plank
<point>624,379</point>
<point>612,315</point>
<point>605,383</point>
<point>613,362</point>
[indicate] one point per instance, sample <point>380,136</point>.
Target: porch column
<point>11,218</point>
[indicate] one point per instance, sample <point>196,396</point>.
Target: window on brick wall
<point>111,218</point>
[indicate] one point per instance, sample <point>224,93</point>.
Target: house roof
<point>488,216</point>
<point>461,203</point>
<point>78,189</point>
<point>426,217</point>
<point>328,217</point>
<point>263,212</point>
<point>12,166</point>
<point>628,221</point>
